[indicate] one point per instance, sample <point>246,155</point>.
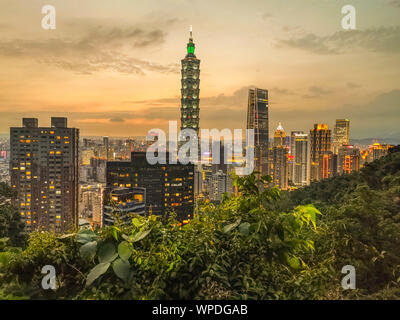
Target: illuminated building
<point>169,187</point>
<point>257,119</point>
<point>320,143</point>
<point>123,204</point>
<point>278,164</point>
<point>348,159</point>
<point>299,149</point>
<point>327,165</point>
<point>44,174</point>
<point>90,203</point>
<point>377,151</point>
<point>340,134</point>
<point>190,91</point>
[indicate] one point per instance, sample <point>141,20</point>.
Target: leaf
<point>96,272</point>
<point>136,222</point>
<point>122,269</point>
<point>140,235</point>
<point>231,226</point>
<point>244,228</point>
<point>294,262</point>
<point>88,250</point>
<point>124,250</point>
<point>85,235</point>
<point>65,236</point>
<point>107,253</point>
<point>4,258</point>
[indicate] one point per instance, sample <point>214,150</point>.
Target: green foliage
<point>11,225</point>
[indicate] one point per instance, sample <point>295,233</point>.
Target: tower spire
<point>191,32</point>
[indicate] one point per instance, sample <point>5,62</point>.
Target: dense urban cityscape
<point>253,158</point>
<point>63,179</point>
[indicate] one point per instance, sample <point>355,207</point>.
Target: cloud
<point>378,39</point>
<point>317,92</point>
<point>266,16</point>
<point>395,3</point>
<point>353,85</point>
<point>282,91</point>
<point>100,48</point>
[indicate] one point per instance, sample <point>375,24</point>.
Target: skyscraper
<point>320,143</point>
<point>278,164</point>
<point>190,92</point>
<point>299,149</point>
<point>44,174</point>
<point>257,119</point>
<point>106,143</point>
<point>348,159</point>
<point>169,187</point>
<point>341,134</point>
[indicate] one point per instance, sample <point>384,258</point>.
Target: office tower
<point>190,88</point>
<point>169,187</point>
<point>106,144</point>
<point>299,149</point>
<point>278,164</point>
<point>221,166</point>
<point>257,119</point>
<point>348,159</point>
<point>327,165</point>
<point>122,204</point>
<point>320,143</point>
<point>341,134</point>
<point>293,134</point>
<point>44,174</point>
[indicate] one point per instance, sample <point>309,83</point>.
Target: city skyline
<point>308,65</point>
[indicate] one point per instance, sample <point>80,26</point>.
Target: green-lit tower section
<point>190,88</point>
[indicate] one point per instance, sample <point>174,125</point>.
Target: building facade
<point>169,187</point>
<point>122,204</point>
<point>278,164</point>
<point>341,134</point>
<point>190,91</point>
<point>257,119</point>
<point>299,149</point>
<point>348,159</point>
<point>44,173</point>
<point>320,143</point>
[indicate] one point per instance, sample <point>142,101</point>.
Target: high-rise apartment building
<point>257,119</point>
<point>44,174</point>
<point>278,164</point>
<point>320,143</point>
<point>341,133</point>
<point>169,187</point>
<point>190,91</point>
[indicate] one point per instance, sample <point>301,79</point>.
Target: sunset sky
<point>113,66</point>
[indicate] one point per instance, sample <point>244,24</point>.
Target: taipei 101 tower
<point>190,88</point>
